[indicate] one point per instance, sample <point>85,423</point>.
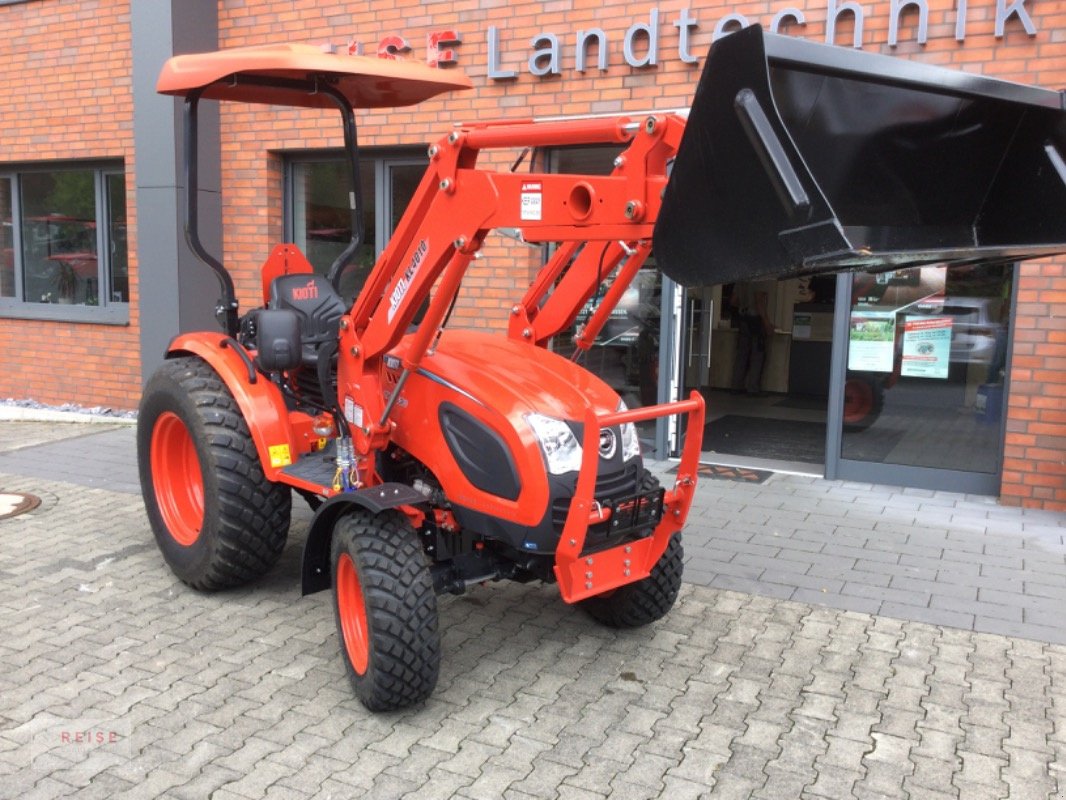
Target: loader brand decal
<point>597,49</point>
<point>402,285</point>
<point>280,456</point>
<point>306,292</point>
<point>532,200</point>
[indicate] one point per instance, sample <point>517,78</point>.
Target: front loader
<point>438,458</point>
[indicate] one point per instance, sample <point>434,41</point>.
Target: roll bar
<point>294,75</point>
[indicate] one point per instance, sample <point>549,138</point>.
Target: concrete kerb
<point>14,413</point>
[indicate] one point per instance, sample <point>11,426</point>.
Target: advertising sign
<point>871,339</point>
<point>926,347</point>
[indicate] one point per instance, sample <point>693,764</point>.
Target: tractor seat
<point>317,305</point>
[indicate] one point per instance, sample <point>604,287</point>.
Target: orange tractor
<point>437,458</point>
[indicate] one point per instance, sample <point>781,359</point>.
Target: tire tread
<point>401,608</point>
<point>252,522</point>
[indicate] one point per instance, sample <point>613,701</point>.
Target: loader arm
<point>598,220</point>
<point>574,273</point>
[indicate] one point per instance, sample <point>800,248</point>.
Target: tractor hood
<point>801,158</point>
<point>515,378</point>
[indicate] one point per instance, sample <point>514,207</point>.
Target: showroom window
<point>63,248</point>
<point>318,220</point>
<point>927,367</point>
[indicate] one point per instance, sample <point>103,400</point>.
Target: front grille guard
<point>581,575</point>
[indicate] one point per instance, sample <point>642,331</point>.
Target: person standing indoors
<point>754,328</point>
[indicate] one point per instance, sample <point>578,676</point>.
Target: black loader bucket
<point>801,158</point>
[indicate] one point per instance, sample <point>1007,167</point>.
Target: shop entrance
<point>760,354</point>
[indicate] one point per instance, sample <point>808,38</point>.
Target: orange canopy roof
<point>366,82</point>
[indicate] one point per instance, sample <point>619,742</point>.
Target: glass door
<point>699,329</point>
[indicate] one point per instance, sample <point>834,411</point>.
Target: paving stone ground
<point>938,557</point>
<point>737,693</point>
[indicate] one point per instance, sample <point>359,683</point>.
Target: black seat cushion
<point>314,300</point>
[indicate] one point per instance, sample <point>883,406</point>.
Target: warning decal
<point>280,455</point>
<point>532,200</point>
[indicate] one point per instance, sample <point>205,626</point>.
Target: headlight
<point>630,440</point>
<point>561,448</point>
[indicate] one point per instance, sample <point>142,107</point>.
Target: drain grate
<point>14,503</point>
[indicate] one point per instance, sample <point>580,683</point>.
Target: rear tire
<point>864,397</point>
<point>386,610</point>
<point>216,518</point>
<point>647,600</point>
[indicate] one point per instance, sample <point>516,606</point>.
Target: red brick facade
<point>66,96</point>
<point>83,110</point>
<point>1034,456</point>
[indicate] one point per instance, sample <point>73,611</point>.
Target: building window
<point>7,240</point>
<point>63,249</point>
<point>927,365</point>
<point>318,220</point>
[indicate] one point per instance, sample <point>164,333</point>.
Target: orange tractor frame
<point>435,458</point>
<point>439,458</point>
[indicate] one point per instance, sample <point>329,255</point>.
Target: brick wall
<point>66,95</point>
<point>1034,464</point>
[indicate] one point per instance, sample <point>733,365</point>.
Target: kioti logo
<point>308,292</point>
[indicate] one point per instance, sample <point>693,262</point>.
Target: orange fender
<point>261,402</point>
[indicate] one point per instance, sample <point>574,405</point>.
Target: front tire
<point>649,600</point>
<point>216,518</point>
<point>386,610</point>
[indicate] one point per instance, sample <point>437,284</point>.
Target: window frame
<point>107,311</point>
<point>375,160</point>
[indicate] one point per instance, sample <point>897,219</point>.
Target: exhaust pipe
<point>800,158</point>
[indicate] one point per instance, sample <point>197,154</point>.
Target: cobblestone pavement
<point>916,554</point>
<point>100,455</point>
<point>939,557</point>
<point>242,695</point>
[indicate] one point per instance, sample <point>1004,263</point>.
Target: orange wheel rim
<point>352,613</point>
<point>177,478</point>
<point>858,400</point>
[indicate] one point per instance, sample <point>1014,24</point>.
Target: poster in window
<point>926,347</point>
<point>871,341</point>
